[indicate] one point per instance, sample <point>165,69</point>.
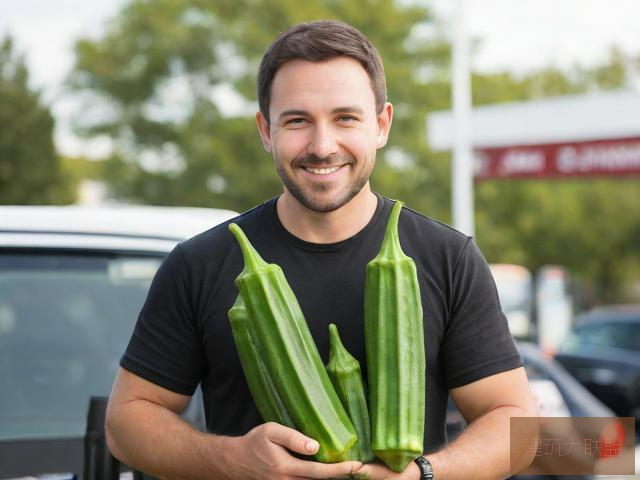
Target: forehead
<point>302,84</point>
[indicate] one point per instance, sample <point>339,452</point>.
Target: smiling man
<point>323,115</point>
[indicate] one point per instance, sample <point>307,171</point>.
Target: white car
<point>72,281</point>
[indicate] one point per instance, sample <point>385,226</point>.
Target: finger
<point>308,469</point>
<point>371,471</point>
<point>292,439</point>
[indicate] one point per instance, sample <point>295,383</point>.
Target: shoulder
<point>427,237</point>
<point>435,229</point>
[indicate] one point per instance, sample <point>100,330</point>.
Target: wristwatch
<point>426,470</point>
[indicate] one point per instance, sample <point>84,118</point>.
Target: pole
<point>462,172</point>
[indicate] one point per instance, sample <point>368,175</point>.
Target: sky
<point>513,35</point>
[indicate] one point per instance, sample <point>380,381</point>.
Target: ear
<point>384,124</point>
<point>264,129</point>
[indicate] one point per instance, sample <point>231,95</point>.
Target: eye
<point>347,118</point>
<point>295,121</point>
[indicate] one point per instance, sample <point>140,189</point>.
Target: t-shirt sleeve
<point>165,348</point>
<point>477,342</point>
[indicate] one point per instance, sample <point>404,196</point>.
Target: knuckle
<point>269,428</point>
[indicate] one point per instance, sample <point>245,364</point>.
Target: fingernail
<point>312,446</point>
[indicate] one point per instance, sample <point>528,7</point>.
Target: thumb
<point>293,440</point>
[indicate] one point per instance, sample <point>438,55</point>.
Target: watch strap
<point>426,470</point>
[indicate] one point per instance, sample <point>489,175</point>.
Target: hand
<point>264,453</point>
<point>379,471</point>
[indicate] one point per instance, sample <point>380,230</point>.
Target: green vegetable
<point>256,373</point>
<point>290,355</point>
<point>344,372</point>
<point>394,340</point>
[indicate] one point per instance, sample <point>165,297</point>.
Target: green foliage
<point>610,75</point>
<point>30,171</point>
<point>504,87</point>
<point>590,226</point>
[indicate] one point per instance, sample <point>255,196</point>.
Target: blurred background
<point>152,102</point>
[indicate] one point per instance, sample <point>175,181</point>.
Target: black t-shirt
<point>183,336</point>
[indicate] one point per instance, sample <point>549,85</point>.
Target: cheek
<point>361,144</point>
<point>289,144</point>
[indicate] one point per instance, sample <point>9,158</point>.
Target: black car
<point>603,353</point>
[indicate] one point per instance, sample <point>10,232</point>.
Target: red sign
<point>600,157</point>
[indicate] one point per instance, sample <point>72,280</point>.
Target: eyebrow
<point>293,112</point>
<point>346,109</point>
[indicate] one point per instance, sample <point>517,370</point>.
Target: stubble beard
<point>306,195</point>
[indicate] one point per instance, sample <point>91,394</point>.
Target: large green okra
<point>394,340</point>
<point>291,356</point>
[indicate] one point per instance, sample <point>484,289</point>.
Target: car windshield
<point>64,322</point>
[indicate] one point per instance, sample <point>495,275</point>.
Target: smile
<point>322,171</point>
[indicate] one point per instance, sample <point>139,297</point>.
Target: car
<point>72,281</point>
<point>602,351</point>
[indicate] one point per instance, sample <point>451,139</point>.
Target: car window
<point>623,335</point>
<point>64,323</point>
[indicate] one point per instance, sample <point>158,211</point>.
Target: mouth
<point>322,171</point>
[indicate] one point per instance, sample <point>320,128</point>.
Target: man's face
<point>323,131</point>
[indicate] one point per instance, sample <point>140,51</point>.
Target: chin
<point>323,198</point>
<point>324,206</point>
<point>321,203</point>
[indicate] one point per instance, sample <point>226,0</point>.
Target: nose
<point>323,141</point>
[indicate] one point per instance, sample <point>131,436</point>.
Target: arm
<point>144,431</point>
<point>482,450</point>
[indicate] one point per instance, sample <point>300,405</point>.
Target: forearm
<point>482,451</point>
<point>153,439</point>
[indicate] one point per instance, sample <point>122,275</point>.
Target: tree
<point>30,170</point>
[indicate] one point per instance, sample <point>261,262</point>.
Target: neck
<point>327,227</point>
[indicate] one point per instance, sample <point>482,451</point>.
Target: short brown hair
<point>317,41</point>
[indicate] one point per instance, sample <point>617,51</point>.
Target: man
<point>323,115</point>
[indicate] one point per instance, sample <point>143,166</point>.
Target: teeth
<point>321,171</point>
